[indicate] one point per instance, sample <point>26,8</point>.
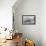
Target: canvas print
<point>28,19</point>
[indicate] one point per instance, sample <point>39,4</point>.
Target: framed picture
<point>28,19</point>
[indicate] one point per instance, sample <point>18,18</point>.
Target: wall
<point>43,22</point>
<point>28,7</point>
<point>6,13</point>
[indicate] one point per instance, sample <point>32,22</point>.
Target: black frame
<point>29,16</point>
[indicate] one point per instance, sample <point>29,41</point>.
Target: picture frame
<point>28,19</point>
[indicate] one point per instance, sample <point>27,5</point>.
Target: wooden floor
<point>9,43</point>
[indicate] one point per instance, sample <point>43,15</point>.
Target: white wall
<point>29,7</point>
<point>6,13</point>
<point>32,7</point>
<point>43,22</point>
